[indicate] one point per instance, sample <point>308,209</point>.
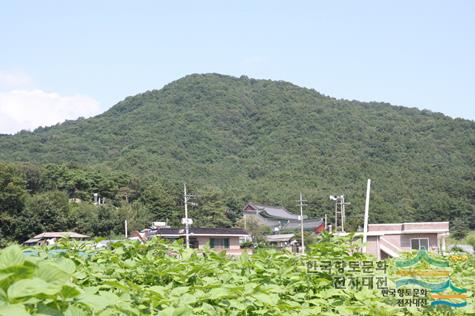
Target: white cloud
<point>15,79</point>
<point>29,109</point>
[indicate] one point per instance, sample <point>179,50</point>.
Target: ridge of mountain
<point>267,140</point>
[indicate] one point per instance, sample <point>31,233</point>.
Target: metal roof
<point>60,235</point>
<point>279,237</point>
<point>32,241</point>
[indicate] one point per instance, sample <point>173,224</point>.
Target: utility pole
<point>343,214</point>
<point>339,211</point>
<point>186,220</point>
<point>125,226</point>
<point>301,200</point>
<point>366,215</point>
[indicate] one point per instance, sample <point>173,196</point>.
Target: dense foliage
<point>166,279</point>
<point>266,141</point>
<point>35,199</point>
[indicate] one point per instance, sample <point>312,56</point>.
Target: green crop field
<point>159,278</point>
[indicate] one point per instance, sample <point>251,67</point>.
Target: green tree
<point>211,209</point>
<point>161,204</point>
<point>138,215</point>
<point>45,212</point>
<point>254,228</point>
<point>13,195</point>
<point>459,229</point>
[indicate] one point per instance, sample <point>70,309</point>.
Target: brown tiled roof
<point>199,231</point>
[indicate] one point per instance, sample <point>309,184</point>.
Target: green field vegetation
<point>158,278</point>
<point>242,139</point>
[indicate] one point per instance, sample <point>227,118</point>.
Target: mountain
<point>267,140</point>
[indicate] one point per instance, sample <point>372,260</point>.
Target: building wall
<point>406,241</point>
<point>402,241</point>
<point>384,227</point>
<point>233,242</point>
<point>394,239</point>
<point>435,225</point>
<point>372,246</point>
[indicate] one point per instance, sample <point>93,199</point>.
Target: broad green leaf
<point>80,275</point>
<point>218,293</point>
<point>187,299</point>
<point>166,312</point>
<point>52,273</point>
<point>3,296</point>
<point>4,276</point>
<point>13,310</point>
<point>44,310</point>
<point>95,302</point>
<point>110,297</point>
<point>11,256</point>
<point>208,309</point>
<point>178,311</point>
<point>344,310</point>
<point>269,299</point>
<point>31,287</point>
<point>69,291</point>
<point>67,265</point>
<point>75,311</point>
<point>183,311</point>
<point>160,290</point>
<point>178,291</point>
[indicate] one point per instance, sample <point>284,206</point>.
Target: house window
<point>219,243</point>
<point>420,243</point>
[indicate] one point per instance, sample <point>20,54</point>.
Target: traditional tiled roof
<point>275,212</point>
<point>199,231</point>
<point>307,224</point>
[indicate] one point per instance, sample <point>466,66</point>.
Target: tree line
<point>38,198</point>
<point>60,197</point>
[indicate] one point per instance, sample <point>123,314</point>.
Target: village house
<point>227,239</point>
<point>50,238</point>
<point>389,240</point>
<point>282,241</point>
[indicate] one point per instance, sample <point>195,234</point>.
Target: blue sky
<point>63,59</point>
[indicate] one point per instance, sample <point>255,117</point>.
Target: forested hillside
<point>34,199</point>
<point>266,141</point>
